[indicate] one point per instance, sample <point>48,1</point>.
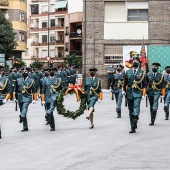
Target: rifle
<point>146,101</point>
<point>161,100</point>
<point>126,101</point>
<point>16,108</point>
<point>0,132</point>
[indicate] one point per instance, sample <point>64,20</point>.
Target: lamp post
<point>48,31</point>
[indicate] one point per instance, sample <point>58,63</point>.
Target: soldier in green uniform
<point>109,76</point>
<point>117,84</point>
<point>167,92</point>
<point>73,75</point>
<point>155,90</point>
<point>135,90</point>
<point>93,93</point>
<point>51,89</point>
<point>5,89</point>
<point>12,78</point>
<point>65,79</point>
<point>24,91</point>
<point>42,81</point>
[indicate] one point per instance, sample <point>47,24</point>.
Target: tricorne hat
<point>93,69</point>
<point>156,64</point>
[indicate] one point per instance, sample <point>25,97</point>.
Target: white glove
<point>143,97</point>
<point>15,100</point>
<point>123,93</point>
<point>39,95</point>
<point>43,102</point>
<point>99,101</point>
<point>4,101</point>
<point>33,102</point>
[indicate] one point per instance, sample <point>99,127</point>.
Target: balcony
<point>59,56</point>
<point>66,50</point>
<point>79,53</point>
<point>60,26</point>
<point>34,57</point>
<point>35,43</point>
<point>75,35</point>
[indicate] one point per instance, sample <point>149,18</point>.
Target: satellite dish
<point>7,16</point>
<point>79,31</point>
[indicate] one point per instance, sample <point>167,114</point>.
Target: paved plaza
<point>73,146</point>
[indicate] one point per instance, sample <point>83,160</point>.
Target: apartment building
<point>110,25</point>
<point>16,11</point>
<point>62,21</point>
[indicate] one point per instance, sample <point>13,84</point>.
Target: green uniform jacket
<point>25,89</point>
<point>129,81</point>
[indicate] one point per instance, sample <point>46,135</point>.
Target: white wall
<point>116,25</point>
<point>75,6</point>
<point>128,30</point>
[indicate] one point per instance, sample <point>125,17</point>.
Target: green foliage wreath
<point>67,113</point>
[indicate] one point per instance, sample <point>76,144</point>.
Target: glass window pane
<point>132,12</point>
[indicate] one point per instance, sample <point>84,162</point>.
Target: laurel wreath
<point>67,113</point>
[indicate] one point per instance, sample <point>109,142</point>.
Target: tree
<point>74,60</point>
<point>37,64</point>
<point>7,37</point>
<point>19,63</point>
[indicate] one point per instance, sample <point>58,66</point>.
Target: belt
<point>129,85</point>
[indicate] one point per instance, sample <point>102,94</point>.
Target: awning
<point>60,4</point>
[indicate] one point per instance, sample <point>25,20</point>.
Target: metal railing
<point>75,35</point>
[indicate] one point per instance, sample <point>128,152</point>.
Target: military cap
<point>167,67</point>
<point>26,68</point>
<point>119,65</point>
<point>136,58</point>
<point>1,68</point>
<point>156,64</point>
<point>53,68</point>
<point>93,69</point>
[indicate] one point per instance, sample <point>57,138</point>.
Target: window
<point>67,31</point>
<point>22,16</point>
<point>44,9</point>
<point>52,38</point>
<point>137,15</point>
<point>44,53</point>
<point>35,9</point>
<point>66,47</point>
<point>44,24</point>
<point>26,53</point>
<point>52,53</point>
<point>52,22</point>
<point>44,38</point>
<point>22,37</point>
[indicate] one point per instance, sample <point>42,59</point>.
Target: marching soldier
<point>73,75</point>
<point>109,76</point>
<point>135,87</point>
<point>51,89</point>
<point>42,81</point>
<point>5,89</point>
<point>35,76</point>
<point>23,92</point>
<point>117,84</point>
<point>93,93</point>
<point>156,88</point>
<point>65,79</point>
<point>167,95</point>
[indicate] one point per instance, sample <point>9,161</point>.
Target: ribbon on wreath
<point>77,89</point>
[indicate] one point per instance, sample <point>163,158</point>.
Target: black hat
<point>1,68</point>
<point>46,69</point>
<point>26,68</point>
<point>53,68</point>
<point>119,65</point>
<point>93,69</point>
<point>156,64</point>
<point>167,67</point>
<point>136,58</point>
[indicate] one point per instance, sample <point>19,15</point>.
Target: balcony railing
<point>75,35</point>
<point>34,56</point>
<point>59,25</point>
<point>76,52</point>
<point>35,43</point>
<point>59,56</point>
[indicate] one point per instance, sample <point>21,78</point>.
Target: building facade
<point>50,26</point>
<point>108,25</point>
<point>16,11</point>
